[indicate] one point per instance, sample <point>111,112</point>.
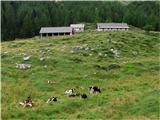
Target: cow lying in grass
<point>69,92</point>
<point>27,103</point>
<point>72,94</point>
<point>94,89</point>
<point>52,99</point>
<point>83,96</point>
<point>51,82</point>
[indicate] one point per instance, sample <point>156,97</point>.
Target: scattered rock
<point>90,54</point>
<point>49,44</point>
<point>100,54</point>
<point>85,76</point>
<point>4,54</point>
<point>94,73</point>
<point>23,54</point>
<point>71,51</point>
<point>85,45</point>
<point>76,47</point>
<point>45,66</point>
<point>125,62</point>
<point>41,59</point>
<point>25,58</point>
<point>134,52</point>
<point>105,55</point>
<point>23,66</point>
<point>87,48</point>
<point>115,53</point>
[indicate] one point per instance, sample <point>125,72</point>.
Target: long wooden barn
<point>55,31</point>
<point>112,27</point>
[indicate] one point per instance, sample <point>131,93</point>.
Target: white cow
<point>70,92</point>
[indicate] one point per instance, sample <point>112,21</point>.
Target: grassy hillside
<point>129,92</point>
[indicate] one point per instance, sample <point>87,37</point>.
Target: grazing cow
<point>27,103</point>
<point>51,82</point>
<point>70,92</point>
<point>94,89</point>
<point>83,96</point>
<point>52,99</point>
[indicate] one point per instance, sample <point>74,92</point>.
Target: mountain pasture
<point>128,92</point>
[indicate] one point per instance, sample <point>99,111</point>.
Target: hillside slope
<point>129,91</point>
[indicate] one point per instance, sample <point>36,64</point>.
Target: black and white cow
<point>94,89</point>
<point>74,95</point>
<point>52,99</point>
<point>69,92</point>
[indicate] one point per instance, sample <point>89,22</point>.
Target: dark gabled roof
<point>56,30</point>
<point>112,25</point>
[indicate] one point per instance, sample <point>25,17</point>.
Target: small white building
<point>112,27</point>
<point>77,27</point>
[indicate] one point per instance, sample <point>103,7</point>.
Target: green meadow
<point>129,93</point>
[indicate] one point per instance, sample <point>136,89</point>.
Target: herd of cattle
<point>71,93</point>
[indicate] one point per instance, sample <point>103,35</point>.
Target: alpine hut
<point>77,27</point>
<point>112,27</point>
<point>55,31</point>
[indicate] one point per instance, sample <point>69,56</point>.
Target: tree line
<point>21,19</point>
